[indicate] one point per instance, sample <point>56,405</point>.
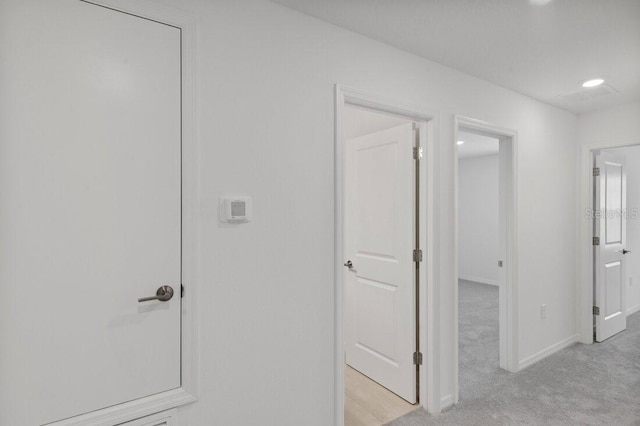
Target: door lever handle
<point>349,264</point>
<point>625,251</point>
<point>164,294</point>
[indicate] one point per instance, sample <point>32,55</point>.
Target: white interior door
<point>610,276</point>
<point>380,321</point>
<point>90,208</point>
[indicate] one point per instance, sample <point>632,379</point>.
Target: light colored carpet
<point>479,364</point>
<point>595,384</point>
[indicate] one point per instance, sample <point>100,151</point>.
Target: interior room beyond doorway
<point>478,269</point>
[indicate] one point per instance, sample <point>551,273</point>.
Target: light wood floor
<point>366,403</point>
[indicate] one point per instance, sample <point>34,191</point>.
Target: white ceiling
<point>541,48</point>
<point>476,145</point>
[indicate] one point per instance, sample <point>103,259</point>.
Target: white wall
<point>270,72</point>
<point>265,85</point>
<point>620,125</point>
<point>265,127</point>
<point>478,219</point>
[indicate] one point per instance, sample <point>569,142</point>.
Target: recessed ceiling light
<point>460,142</point>
<point>593,82</point>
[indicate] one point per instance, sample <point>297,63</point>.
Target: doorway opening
<point>381,259</point>
<point>616,239</point>
<point>478,254</point>
<point>380,295</point>
<point>485,255</point>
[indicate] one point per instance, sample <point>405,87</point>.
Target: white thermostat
<point>235,209</point>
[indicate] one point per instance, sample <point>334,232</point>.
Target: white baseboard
<point>446,402</point>
<point>478,280</point>
<point>526,362</point>
<point>633,310</point>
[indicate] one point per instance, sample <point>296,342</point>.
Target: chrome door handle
<point>349,264</point>
<point>164,294</point>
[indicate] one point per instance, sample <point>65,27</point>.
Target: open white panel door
<point>611,229</point>
<point>90,209</point>
<point>380,321</point>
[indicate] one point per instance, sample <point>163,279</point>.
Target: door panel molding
<point>165,418</point>
<point>429,323</point>
<point>129,411</point>
<point>189,389</point>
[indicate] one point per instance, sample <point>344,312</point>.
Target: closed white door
<point>90,209</point>
<point>380,321</point>
<point>611,229</point>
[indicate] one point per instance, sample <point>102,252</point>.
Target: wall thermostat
<point>235,209</point>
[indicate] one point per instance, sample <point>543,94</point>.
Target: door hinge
<point>417,152</point>
<point>596,241</point>
<point>417,255</point>
<point>596,171</point>
<point>596,310</point>
<point>181,290</point>
<point>417,358</point>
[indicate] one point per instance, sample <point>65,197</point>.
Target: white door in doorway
<point>90,209</point>
<point>380,321</point>
<point>611,229</point>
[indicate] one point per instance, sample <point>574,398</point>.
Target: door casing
<point>508,317</point>
<point>188,391</point>
<point>429,383</point>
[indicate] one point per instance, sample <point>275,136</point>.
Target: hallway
<point>583,384</point>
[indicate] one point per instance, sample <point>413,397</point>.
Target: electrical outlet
<point>543,311</point>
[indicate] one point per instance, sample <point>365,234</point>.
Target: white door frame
<point>584,290</point>
<point>508,317</point>
<point>187,393</point>
<point>429,311</point>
